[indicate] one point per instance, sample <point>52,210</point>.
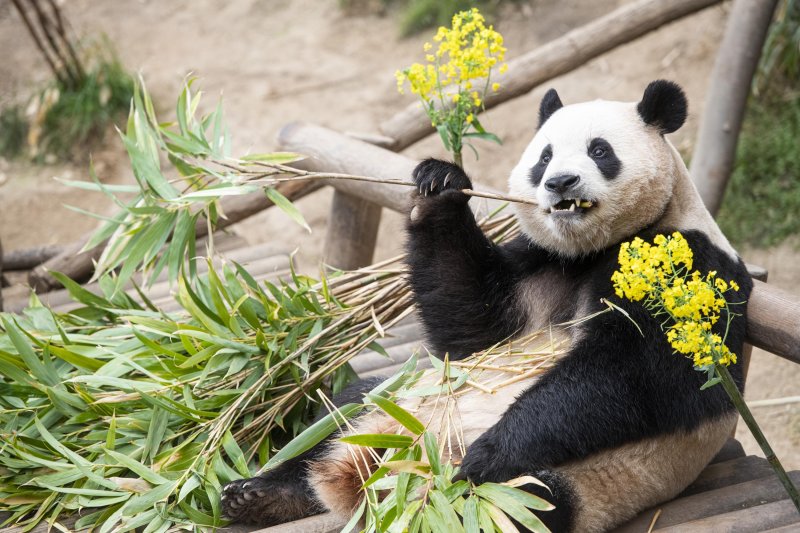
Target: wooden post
<point>731,78</point>
<point>352,231</point>
<point>555,58</point>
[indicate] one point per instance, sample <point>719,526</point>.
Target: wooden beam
<point>331,151</point>
<point>352,231</point>
<point>773,321</point>
<point>555,58</point>
<point>731,77</point>
<point>80,267</point>
<point>28,258</point>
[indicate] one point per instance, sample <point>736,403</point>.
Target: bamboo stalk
<point>738,401</point>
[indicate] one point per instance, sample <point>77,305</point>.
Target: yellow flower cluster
<point>467,51</point>
<point>659,274</point>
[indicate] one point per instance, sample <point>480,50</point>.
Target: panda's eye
<point>546,157</point>
<point>598,152</point>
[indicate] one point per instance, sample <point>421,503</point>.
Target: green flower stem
<point>457,159</point>
<point>744,411</point>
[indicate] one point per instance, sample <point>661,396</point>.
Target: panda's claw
<point>434,177</point>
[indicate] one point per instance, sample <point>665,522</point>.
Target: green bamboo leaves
<point>139,417</point>
<point>183,170</point>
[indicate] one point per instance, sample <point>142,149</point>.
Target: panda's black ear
<point>663,106</point>
<point>550,104</point>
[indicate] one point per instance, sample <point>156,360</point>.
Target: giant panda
<point>619,424</point>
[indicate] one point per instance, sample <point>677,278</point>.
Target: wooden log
<point>331,151</point>
<point>555,58</point>
<point>731,77</point>
<point>773,321</point>
<point>29,258</point>
<point>352,231</point>
<point>80,267</point>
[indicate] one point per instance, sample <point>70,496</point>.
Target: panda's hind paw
<point>267,501</point>
<point>433,177</point>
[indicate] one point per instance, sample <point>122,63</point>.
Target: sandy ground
<point>279,61</point>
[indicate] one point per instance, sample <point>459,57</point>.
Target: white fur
<point>652,174</point>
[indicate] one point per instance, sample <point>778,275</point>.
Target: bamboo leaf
<point>405,418</point>
<point>378,440</point>
<point>287,207</point>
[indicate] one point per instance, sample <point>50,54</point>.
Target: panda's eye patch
<point>538,169</point>
<point>604,157</point>
<point>599,148</point>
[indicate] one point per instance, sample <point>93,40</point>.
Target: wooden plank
<point>732,449</point>
<point>352,231</point>
<point>555,58</point>
<point>731,472</point>
<point>751,520</point>
<point>322,523</point>
<point>711,503</point>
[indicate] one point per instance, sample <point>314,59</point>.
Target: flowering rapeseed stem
<point>658,275</point>
<point>468,51</point>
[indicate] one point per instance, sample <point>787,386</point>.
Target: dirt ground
<point>280,61</point>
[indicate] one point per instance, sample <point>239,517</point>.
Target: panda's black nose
<point>561,183</point>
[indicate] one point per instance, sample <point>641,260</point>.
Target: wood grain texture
<point>751,520</point>
<point>731,78</point>
<point>738,497</point>
<point>555,58</point>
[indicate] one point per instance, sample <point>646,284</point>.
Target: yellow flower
<point>658,274</point>
<point>470,118</point>
<point>495,86</point>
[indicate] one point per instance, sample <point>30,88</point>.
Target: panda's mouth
<point>572,205</point>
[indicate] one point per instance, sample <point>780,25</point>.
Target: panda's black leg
<point>283,494</point>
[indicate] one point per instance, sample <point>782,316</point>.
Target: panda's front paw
<point>434,177</point>
<point>489,459</point>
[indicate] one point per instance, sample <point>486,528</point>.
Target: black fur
<point>463,283</point>
<point>550,104</point>
<point>538,169</point>
<point>283,494</point>
<point>616,386</point>
<point>604,157</point>
<point>663,106</point>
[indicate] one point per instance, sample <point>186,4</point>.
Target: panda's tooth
<point>572,207</point>
<point>552,209</point>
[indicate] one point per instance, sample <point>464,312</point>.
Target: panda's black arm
<point>465,286</point>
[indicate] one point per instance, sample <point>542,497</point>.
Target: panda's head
<point>600,171</point>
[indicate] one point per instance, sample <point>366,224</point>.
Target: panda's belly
<point>457,420</point>
<point>548,298</point>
